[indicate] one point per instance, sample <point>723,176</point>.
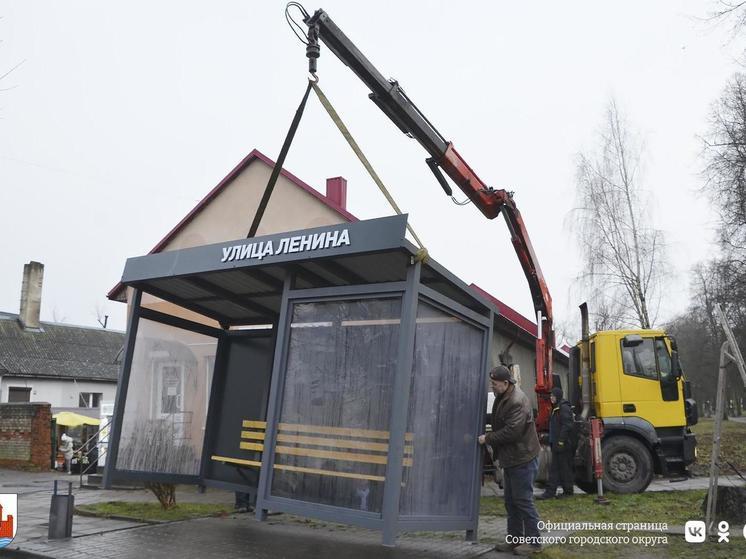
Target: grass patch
<point>675,547</point>
<point>673,507</point>
<point>153,512</point>
<point>732,445</point>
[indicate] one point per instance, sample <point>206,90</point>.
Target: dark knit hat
<point>557,393</point>
<point>501,372</point>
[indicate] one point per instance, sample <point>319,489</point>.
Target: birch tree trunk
<point>623,255</point>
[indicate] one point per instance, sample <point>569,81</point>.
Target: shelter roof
<point>241,282</point>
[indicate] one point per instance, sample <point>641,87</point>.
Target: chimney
<point>336,191</point>
<point>33,277</point>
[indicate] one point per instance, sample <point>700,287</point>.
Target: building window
<point>19,394</point>
<point>89,399</point>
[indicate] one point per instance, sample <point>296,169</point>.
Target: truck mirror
<point>632,340</point>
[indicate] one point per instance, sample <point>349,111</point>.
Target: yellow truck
<point>633,382</point>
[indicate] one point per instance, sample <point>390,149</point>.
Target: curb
<point>89,514</point>
<point>21,554</point>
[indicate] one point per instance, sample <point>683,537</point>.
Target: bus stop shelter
<point>325,371</point>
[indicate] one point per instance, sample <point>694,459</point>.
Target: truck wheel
<point>628,466</point>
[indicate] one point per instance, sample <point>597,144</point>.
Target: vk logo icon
<point>694,531</point>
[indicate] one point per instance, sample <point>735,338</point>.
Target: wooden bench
<point>316,441</point>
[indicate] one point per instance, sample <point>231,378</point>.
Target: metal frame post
<point>472,534</point>
<point>274,406</point>
<point>712,490</point>
<point>400,406</point>
<point>121,398</point>
<point>729,352</point>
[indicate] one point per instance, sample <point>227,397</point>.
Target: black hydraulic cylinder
<point>388,95</point>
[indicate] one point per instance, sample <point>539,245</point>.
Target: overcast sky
<point>123,115</point>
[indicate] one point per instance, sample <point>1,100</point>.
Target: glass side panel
<point>163,424</point>
<point>639,360</point>
<point>332,440</point>
<point>444,402</point>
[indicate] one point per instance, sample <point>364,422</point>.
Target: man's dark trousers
<point>560,471</point>
<point>519,499</point>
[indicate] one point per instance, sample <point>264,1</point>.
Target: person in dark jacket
<point>562,442</point>
<point>515,443</point>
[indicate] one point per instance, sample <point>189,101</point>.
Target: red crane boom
<point>393,101</point>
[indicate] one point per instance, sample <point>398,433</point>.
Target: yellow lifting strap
<point>422,253</point>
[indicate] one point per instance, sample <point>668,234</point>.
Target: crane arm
<point>390,97</point>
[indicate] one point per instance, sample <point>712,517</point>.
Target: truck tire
<point>628,465</point>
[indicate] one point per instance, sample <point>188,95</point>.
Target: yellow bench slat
<point>236,461</point>
<point>256,464</point>
<point>320,429</point>
<point>321,441</point>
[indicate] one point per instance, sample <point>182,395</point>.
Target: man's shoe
<point>544,497</point>
<point>505,547</point>
<point>526,549</point>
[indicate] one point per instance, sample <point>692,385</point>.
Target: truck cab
<point>638,391</point>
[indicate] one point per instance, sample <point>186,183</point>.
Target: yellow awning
<point>72,419</point>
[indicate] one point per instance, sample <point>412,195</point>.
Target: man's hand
<point>481,439</point>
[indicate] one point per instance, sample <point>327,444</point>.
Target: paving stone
<point>239,535</point>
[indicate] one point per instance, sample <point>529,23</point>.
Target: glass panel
<point>639,360</point>
<point>164,416</point>
<point>444,402</point>
<point>669,384</point>
<point>664,360</point>
<point>333,437</point>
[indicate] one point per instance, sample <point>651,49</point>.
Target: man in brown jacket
<point>516,445</point>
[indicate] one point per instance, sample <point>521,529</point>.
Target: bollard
<point>61,513</point>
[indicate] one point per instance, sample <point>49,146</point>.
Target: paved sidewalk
<point>35,493</point>
<point>238,535</point>
<point>243,536</point>
<point>235,535</point>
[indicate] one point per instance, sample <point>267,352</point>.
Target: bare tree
<point>725,167</point>
<point>101,317</point>
<point>623,255</point>
<point>699,335</point>
<point>731,13</point>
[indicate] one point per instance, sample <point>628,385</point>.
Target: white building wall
<point>59,393</point>
<point>525,356</point>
